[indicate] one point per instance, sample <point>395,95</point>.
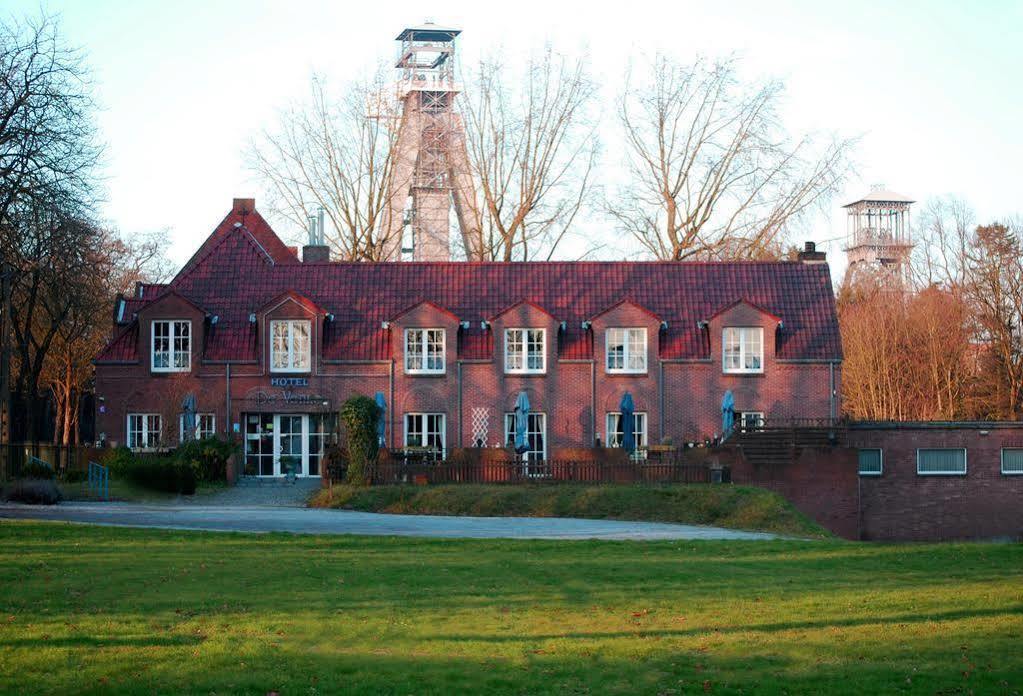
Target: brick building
<point>271,345</point>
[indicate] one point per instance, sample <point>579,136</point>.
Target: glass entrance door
<point>291,437</point>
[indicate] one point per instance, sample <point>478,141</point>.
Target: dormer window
<point>171,346</point>
<point>424,351</point>
<point>626,350</point>
<point>290,345</point>
<point>742,349</point>
<point>525,351</point>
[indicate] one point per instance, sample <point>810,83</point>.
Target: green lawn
<point>736,507</point>
<point>102,610</point>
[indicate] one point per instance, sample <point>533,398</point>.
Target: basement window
<point>1012,460</point>
<point>871,463</point>
<point>941,462</point>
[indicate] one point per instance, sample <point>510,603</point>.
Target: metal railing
<point>99,480</point>
<point>546,471</point>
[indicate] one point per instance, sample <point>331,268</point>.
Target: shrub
<point>119,460</point>
<point>32,469</point>
<point>162,473</point>
<point>33,491</point>
<point>207,457</point>
<point>360,415</point>
<point>75,475</point>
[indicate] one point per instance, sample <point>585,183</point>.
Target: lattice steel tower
<point>430,170</point>
<point>878,233</point>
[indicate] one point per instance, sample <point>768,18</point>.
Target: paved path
<point>314,521</point>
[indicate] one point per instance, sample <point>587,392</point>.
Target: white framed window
<point>870,462</point>
<point>536,435</point>
<point>426,430</point>
<point>750,420</point>
<point>290,345</point>
<point>614,432</point>
<point>144,430</point>
<point>424,351</point>
<point>525,350</point>
<point>625,350</point>
<point>939,462</point>
<point>205,426</point>
<point>742,349</point>
<point>171,349</point>
<point>1012,460</point>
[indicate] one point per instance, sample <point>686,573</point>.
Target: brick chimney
<point>243,206</point>
<point>810,255</point>
<point>315,253</point>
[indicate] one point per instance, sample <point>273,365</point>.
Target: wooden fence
<point>76,458</point>
<point>549,471</point>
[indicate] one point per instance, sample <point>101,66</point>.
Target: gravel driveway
<point>316,521</point>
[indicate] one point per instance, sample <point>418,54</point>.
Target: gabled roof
<point>170,293</point>
<point>295,297</point>
<point>423,303</point>
<point>244,218</point>
<point>523,301</point>
<point>237,277</point>
<point>626,301</point>
<point>744,301</point>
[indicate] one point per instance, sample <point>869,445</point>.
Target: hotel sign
<point>289,381</point>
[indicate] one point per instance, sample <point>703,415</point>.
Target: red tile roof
<point>235,274</point>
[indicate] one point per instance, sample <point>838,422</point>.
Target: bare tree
<point>532,148</point>
<point>994,269</point>
<point>943,239</point>
<point>48,155</point>
<point>337,155</point>
<point>710,171</point>
<point>48,149</point>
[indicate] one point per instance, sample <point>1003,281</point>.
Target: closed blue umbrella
<point>521,423</point>
<point>381,421</point>
<point>727,414</point>
<point>628,410</point>
<point>188,417</point>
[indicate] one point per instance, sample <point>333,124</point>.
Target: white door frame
<point>304,439</point>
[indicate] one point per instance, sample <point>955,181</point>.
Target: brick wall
<point>901,504</point>
<point>820,483</point>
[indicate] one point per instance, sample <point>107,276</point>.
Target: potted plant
<point>290,464</point>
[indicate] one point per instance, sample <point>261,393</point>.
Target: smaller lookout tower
<point>878,232</point>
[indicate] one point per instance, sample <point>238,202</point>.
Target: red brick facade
<point>243,278</point>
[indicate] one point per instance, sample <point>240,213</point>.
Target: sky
<point>932,88</point>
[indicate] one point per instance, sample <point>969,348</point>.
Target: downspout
<point>831,392</point>
<point>460,441</point>
<point>660,399</point>
<point>393,405</point>
<point>593,401</point>
<point>227,401</point>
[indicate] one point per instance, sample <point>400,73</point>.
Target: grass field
<point>104,610</point>
<point>736,507</point>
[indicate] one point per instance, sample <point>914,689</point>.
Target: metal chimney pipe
<point>320,236</point>
<point>311,230</point>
